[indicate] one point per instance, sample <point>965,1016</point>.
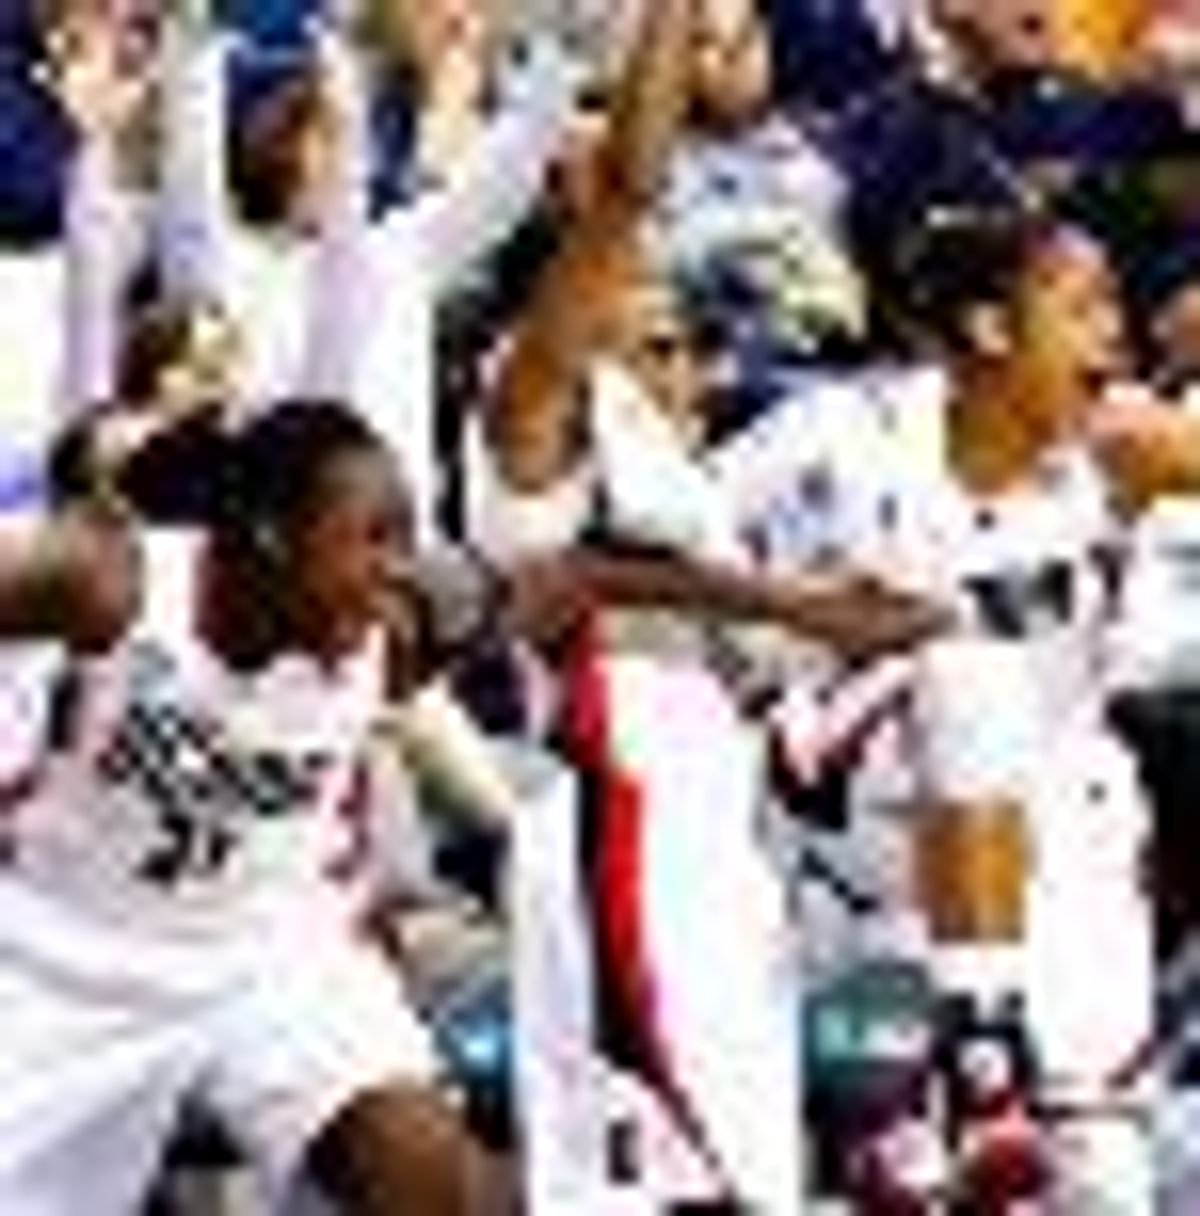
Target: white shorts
<point>94,1070</point>
<point>718,951</point>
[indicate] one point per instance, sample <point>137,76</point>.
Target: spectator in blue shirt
<point>995,120</point>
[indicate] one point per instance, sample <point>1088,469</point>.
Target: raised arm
<point>338,320</point>
<point>194,219</point>
<point>533,421</point>
<point>101,95</point>
<point>477,197</point>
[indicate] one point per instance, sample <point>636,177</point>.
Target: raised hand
<point>99,67</point>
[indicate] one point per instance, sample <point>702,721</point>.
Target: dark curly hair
<point>957,259</point>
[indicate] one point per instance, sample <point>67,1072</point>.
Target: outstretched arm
<point>441,612</point>
<point>858,617</point>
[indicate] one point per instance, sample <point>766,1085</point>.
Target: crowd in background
<point>422,207</point>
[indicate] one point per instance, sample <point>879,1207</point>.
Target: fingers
<point>100,68</point>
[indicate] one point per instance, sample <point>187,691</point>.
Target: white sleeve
<point>193,219</point>
<point>497,184</point>
<point>339,310</point>
<point>507,524</point>
<point>446,746</point>
<point>100,237</point>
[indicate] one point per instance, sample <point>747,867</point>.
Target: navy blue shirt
<point>912,144</point>
<point>824,51</point>
<point>36,139</point>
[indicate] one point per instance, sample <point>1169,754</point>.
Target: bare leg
<point>404,1152</point>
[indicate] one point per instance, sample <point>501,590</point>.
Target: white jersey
<point>188,800</point>
<point>855,471</point>
<point>352,313</point>
<point>694,768</point>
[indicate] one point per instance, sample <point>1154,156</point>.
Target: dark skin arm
<point>75,578</point>
<point>857,617</point>
<point>532,422</point>
<point>546,599</point>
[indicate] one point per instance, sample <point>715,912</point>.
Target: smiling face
<point>346,553</point>
<point>311,537</point>
<point>1068,330</point>
<point>652,338</point>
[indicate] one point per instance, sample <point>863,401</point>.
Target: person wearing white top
<point>169,925</point>
<point>1030,842</point>
<point>330,300</point>
<point>594,428</point>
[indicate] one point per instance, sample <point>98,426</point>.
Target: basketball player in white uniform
<point>1030,844</point>
<point>329,298</point>
<point>594,432</point>
<point>169,930</point>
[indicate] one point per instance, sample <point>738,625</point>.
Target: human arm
<point>194,217</point>
<point>442,742</point>
<point>73,578</point>
<point>856,616</point>
<point>533,419</point>
<point>1149,448</point>
<point>476,198</point>
<point>101,94</point>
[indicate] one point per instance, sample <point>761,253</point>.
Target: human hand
<point>100,64</point>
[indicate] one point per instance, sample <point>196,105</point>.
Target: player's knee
<point>401,1150</point>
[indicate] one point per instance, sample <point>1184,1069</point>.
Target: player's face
<point>317,152</point>
<point>349,552</point>
<point>423,32</point>
<point>1069,327</point>
<point>657,345</point>
<point>731,62</point>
